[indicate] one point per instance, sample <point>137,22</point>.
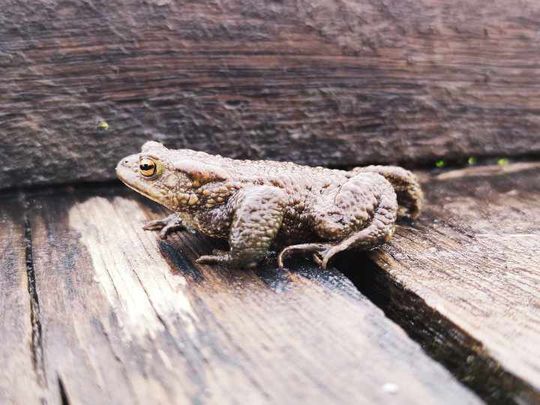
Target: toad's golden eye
<point>147,167</point>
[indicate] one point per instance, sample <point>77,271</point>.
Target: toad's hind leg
<point>406,185</point>
<point>318,249</point>
<point>373,235</point>
<point>359,214</point>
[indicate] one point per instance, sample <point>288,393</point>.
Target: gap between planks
<point>464,280</point>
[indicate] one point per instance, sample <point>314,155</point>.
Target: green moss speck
<point>440,163</point>
<point>472,160</point>
<point>502,161</point>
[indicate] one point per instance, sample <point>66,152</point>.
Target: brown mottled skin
<point>259,204</point>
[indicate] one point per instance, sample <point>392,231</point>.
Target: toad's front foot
<point>165,226</point>
<point>224,258</point>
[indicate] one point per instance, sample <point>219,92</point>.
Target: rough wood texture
<point>127,319</point>
<point>465,279</point>
<point>20,378</point>
<point>318,82</point>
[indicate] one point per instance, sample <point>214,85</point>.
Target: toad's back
<point>281,174</point>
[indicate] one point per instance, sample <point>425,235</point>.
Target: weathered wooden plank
<point>129,319</point>
<point>20,358</point>
<point>465,279</point>
<point>317,82</point>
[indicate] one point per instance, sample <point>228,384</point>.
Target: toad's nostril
<point>126,162</point>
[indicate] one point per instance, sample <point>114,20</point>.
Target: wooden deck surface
<point>94,309</point>
<point>115,314</point>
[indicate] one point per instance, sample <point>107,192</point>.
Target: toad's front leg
<point>257,217</point>
<point>165,226</point>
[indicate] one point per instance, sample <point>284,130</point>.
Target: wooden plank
<point>465,279</point>
<point>20,355</point>
<point>317,82</point>
<point>127,318</point>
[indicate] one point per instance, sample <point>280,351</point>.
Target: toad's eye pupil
<point>147,167</point>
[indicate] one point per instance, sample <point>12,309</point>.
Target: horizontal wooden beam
<point>316,82</point>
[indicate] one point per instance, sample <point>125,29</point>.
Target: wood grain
<point>316,82</point>
<point>128,319</point>
<point>20,357</point>
<point>465,279</point>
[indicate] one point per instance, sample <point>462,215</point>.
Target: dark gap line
<point>445,342</point>
<point>36,339</point>
<point>64,399</point>
<point>450,163</point>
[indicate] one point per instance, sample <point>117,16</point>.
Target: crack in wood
<point>36,340</point>
<point>441,339</point>
<point>64,398</point>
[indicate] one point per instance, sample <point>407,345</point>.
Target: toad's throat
<point>143,192</point>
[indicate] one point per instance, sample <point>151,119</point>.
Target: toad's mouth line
<point>140,191</point>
